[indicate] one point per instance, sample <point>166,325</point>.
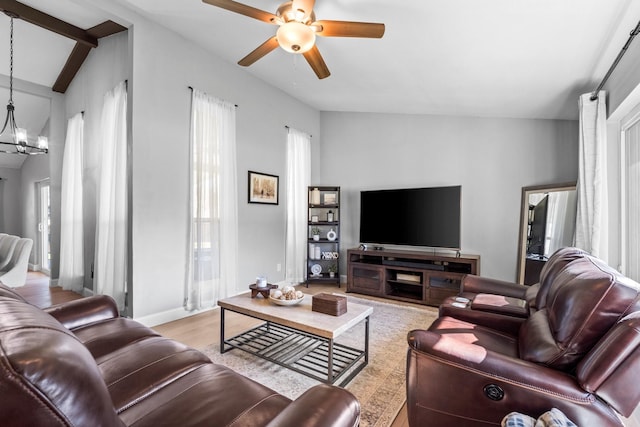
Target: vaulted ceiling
<point>495,58</point>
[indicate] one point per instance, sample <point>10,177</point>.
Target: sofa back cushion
<point>48,377</point>
<point>552,267</point>
<point>7,292</point>
<point>584,301</point>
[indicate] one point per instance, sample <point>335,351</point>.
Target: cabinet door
<point>442,285</point>
<point>366,279</point>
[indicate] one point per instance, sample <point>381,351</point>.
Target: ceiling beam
<point>80,53</point>
<point>85,39</point>
<point>71,67</point>
<point>48,22</point>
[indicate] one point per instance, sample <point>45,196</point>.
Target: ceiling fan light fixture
<point>296,37</point>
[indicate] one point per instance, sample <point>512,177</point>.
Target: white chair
<point>14,274</point>
<point>7,246</point>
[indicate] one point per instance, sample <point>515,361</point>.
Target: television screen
<point>412,216</point>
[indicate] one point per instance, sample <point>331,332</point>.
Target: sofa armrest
<point>320,406</point>
<point>82,312</point>
<point>477,359</point>
<point>485,285</point>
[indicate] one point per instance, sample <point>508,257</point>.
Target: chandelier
<point>18,144</point>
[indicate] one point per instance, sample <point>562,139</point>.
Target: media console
<point>414,276</point>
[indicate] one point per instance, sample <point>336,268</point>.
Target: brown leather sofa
<point>81,364</point>
<point>579,352</point>
<point>502,304</point>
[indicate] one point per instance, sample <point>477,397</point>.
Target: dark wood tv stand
<point>413,276</point>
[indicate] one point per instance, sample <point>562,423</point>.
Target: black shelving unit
<point>323,251</point>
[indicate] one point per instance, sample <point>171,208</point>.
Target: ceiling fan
<point>298,29</point>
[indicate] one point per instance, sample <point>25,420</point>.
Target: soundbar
<point>413,264</point>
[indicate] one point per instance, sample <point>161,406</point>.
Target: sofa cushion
<point>214,394</point>
<point>585,300</point>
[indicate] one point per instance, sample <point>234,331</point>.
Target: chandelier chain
<point>11,64</point>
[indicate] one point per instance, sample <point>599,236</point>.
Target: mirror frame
<point>524,219</point>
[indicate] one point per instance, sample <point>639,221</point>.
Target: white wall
<point>11,203</point>
<point>164,65</point>
<point>491,158</point>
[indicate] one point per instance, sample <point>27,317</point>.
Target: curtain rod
<point>191,87</point>
<point>310,136</point>
<point>633,33</point>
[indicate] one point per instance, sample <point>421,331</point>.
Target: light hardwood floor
<point>198,331</point>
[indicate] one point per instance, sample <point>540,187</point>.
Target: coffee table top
<point>298,316</point>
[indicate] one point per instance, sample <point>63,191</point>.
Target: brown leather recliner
<point>81,364</point>
<point>504,304</point>
<point>580,353</point>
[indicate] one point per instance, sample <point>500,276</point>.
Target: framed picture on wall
<point>263,188</point>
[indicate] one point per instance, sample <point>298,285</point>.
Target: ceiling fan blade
<point>259,52</point>
<point>304,5</point>
<point>349,29</point>
<point>244,9</point>
<point>314,59</point>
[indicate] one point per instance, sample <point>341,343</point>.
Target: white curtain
<point>592,213</point>
<point>71,224</point>
<point>298,180</point>
<point>111,228</point>
<point>213,243</point>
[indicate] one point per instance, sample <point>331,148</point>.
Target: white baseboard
<point>53,283</point>
<point>169,316</point>
<point>86,292</point>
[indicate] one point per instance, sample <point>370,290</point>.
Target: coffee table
<point>298,338</point>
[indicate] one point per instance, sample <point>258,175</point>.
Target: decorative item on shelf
<point>316,270</point>
<point>315,233</point>
<point>330,255</point>
<point>312,251</point>
<point>316,252</point>
<point>329,199</point>
<point>332,235</point>
<point>315,197</point>
<point>314,218</point>
<point>329,216</point>
<point>333,269</point>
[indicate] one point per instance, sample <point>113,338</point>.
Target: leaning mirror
<point>547,223</point>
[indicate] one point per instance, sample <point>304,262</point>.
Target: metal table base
<point>319,358</point>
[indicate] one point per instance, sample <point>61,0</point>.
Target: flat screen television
<point>428,217</point>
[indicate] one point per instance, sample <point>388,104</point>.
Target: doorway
<point>44,226</point>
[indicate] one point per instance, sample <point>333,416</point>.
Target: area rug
<point>380,386</point>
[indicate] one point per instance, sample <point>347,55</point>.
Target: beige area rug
<point>380,386</point>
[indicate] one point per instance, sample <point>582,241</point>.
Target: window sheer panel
<point>592,215</point>
<point>212,252</point>
<point>111,228</point>
<point>297,183</point>
<point>71,218</point>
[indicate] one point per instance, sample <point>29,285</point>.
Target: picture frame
<point>329,199</point>
<point>263,188</point>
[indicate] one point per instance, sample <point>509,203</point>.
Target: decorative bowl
<point>278,301</point>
